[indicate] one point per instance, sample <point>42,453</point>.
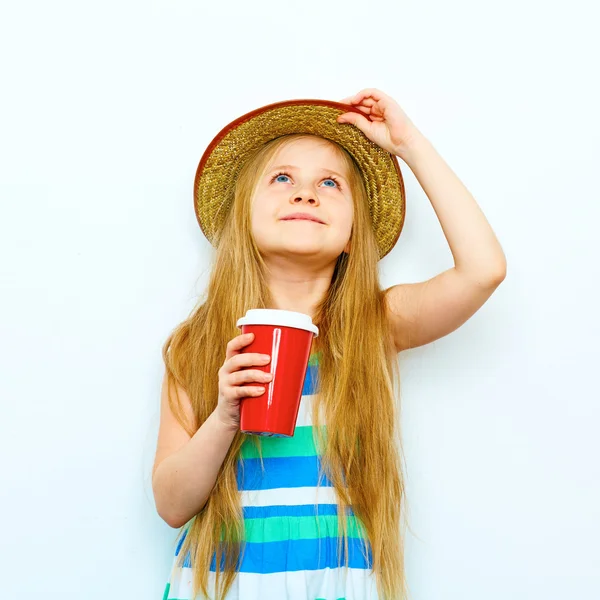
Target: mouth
<point>303,221</point>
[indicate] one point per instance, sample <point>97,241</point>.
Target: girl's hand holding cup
<point>287,336</point>
<point>234,373</point>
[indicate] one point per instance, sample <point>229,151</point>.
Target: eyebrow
<point>293,167</point>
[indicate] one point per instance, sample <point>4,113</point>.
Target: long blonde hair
<point>358,369</point>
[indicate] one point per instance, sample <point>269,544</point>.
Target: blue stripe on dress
<point>293,510</point>
<point>294,555</point>
<point>180,543</point>
<point>310,380</point>
<point>299,555</point>
<point>281,472</point>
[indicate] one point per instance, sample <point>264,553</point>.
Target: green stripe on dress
<point>167,589</point>
<point>301,444</point>
<point>313,359</point>
<point>277,529</point>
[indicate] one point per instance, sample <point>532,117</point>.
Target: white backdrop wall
<point>106,108</point>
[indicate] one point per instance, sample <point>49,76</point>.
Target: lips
<point>302,217</point>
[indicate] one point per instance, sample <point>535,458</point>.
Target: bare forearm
<point>184,480</point>
<point>472,241</point>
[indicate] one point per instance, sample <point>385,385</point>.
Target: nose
<point>310,199</point>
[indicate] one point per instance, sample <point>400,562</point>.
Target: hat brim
<point>224,156</point>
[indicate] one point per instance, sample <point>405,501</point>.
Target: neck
<point>298,287</point>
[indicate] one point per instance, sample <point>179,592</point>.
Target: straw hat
<point>224,156</point>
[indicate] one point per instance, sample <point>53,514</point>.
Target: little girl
<point>301,199</point>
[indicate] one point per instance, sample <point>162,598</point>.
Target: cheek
<point>349,219</point>
<point>261,221</point>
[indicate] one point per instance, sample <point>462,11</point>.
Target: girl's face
<point>304,176</point>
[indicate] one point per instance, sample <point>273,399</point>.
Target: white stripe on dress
<point>289,496</point>
<point>305,411</point>
<point>291,585</point>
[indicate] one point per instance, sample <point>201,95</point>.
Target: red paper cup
<point>286,336</point>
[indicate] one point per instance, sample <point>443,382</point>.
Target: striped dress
<point>290,518</point>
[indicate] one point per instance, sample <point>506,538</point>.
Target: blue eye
<point>283,174</point>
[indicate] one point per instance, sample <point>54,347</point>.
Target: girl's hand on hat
<point>389,127</point>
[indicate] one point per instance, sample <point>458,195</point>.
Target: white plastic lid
<point>277,316</point>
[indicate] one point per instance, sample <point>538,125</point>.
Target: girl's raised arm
<point>420,313</point>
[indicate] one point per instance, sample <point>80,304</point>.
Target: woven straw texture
<point>222,160</point>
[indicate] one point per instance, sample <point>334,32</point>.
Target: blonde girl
<point>321,515</point>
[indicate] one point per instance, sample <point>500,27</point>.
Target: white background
<point>106,109</point>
